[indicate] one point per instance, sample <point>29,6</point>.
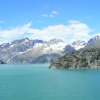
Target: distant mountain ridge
<point>84,58</point>
<point>39,51</point>
<point>78,44</point>
<point>1,62</point>
<point>26,50</point>
<point>93,40</point>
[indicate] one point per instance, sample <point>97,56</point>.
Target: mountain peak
<point>94,39</point>
<point>78,44</point>
<point>18,41</point>
<point>97,37</point>
<point>55,41</point>
<point>26,39</point>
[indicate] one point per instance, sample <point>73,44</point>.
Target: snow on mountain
<point>94,39</point>
<point>57,45</point>
<point>16,47</point>
<point>26,50</point>
<point>43,52</point>
<point>52,46</point>
<point>55,41</point>
<point>81,44</point>
<point>78,44</point>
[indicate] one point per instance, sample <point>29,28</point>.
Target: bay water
<point>37,82</point>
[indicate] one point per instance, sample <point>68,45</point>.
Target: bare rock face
<point>33,51</point>
<point>81,59</point>
<point>1,62</point>
<point>78,44</point>
<point>94,39</point>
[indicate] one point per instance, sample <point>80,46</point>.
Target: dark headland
<point>81,59</point>
<point>2,62</point>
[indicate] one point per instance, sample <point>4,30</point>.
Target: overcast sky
<point>68,20</point>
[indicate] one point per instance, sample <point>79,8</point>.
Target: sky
<point>68,20</point>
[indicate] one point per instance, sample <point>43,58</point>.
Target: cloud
<point>74,22</point>
<point>45,15</point>
<point>14,33</point>
<point>96,34</point>
<point>54,12</point>
<point>68,33</point>
<point>51,15</point>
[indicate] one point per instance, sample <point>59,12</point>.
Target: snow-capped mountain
<point>21,44</point>
<point>43,52</point>
<point>81,44</point>
<point>78,44</point>
<point>93,42</point>
<point>94,39</point>
<point>39,51</point>
<point>55,41</point>
<point>9,50</point>
<point>26,50</point>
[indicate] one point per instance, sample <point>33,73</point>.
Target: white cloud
<point>45,15</point>
<point>14,33</point>
<point>96,34</point>
<point>73,22</point>
<point>54,12</point>
<point>65,32</point>
<point>51,15</point>
<point>73,31</point>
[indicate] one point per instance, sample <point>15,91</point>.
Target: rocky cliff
<point>33,51</point>
<point>81,59</point>
<point>2,62</point>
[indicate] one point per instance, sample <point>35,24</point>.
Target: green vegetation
<point>51,60</point>
<point>80,59</point>
<point>98,57</point>
<point>83,60</point>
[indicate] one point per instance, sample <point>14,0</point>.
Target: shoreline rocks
<point>1,62</point>
<point>81,59</point>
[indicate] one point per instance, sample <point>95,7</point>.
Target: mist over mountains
<point>40,51</point>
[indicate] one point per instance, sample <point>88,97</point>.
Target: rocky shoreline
<point>81,59</point>
<point>2,62</point>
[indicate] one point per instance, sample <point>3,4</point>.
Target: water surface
<point>37,82</point>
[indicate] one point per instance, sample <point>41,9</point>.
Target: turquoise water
<point>37,82</point>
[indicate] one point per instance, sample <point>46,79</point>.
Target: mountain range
<point>84,58</point>
<point>40,51</point>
